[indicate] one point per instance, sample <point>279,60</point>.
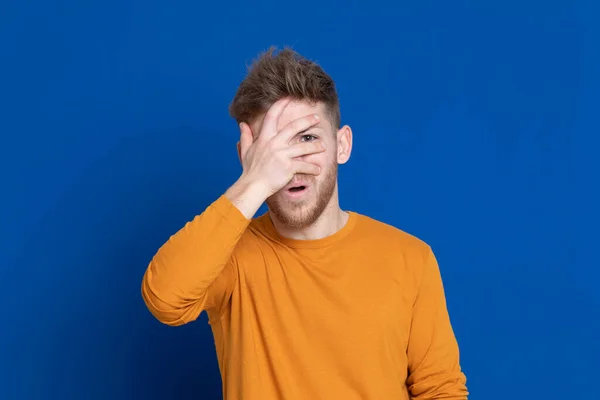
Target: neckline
<point>269,229</point>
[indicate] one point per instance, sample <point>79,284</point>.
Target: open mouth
<point>297,189</point>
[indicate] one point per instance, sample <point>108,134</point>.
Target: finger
<point>297,126</point>
<point>304,149</point>
<point>303,167</point>
<point>246,138</point>
<point>269,125</point>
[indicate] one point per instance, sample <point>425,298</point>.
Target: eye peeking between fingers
<point>308,138</point>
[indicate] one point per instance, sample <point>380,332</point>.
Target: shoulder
<point>384,231</point>
<point>392,239</point>
<point>407,257</point>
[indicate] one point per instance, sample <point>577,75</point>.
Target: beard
<point>302,213</point>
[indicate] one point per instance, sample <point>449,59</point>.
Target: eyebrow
<point>309,129</point>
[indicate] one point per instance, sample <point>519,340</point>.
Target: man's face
<point>302,208</point>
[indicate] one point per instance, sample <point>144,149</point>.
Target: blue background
<point>471,123</point>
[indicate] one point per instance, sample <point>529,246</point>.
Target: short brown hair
<point>275,75</point>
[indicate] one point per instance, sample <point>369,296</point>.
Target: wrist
<point>247,195</point>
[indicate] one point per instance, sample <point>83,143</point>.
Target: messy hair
<point>274,75</point>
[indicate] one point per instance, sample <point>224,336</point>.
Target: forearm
<point>433,353</point>
<point>176,284</point>
<point>247,196</point>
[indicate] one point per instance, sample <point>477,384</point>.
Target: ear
<point>245,141</point>
<point>344,144</point>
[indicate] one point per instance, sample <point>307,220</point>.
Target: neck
<point>331,220</point>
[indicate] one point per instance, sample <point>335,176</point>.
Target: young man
<point>307,301</point>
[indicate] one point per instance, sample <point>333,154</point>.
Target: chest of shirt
<point>348,295</point>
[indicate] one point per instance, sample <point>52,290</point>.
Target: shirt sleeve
<point>433,354</point>
<point>195,270</point>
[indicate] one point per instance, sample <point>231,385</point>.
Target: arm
<point>433,354</point>
<point>194,270</point>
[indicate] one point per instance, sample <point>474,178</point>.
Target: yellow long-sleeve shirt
<point>358,315</point>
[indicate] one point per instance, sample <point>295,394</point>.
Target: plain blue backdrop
<point>467,118</point>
